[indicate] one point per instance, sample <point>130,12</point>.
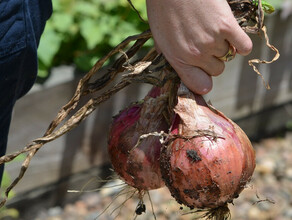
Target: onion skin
<point>139,166</point>
<point>203,171</point>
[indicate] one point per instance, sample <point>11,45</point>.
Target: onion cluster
<point>206,160</point>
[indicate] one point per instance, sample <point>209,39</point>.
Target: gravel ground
<point>268,196</point>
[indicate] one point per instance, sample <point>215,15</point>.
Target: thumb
<point>157,48</point>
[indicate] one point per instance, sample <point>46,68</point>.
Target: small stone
<point>288,214</point>
<point>289,173</point>
<point>266,166</point>
<point>92,215</point>
<point>55,211</point>
<point>254,213</point>
<point>81,207</point>
<point>91,200</point>
<point>112,188</point>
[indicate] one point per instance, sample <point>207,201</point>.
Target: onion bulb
<point>208,159</point>
<point>139,165</point>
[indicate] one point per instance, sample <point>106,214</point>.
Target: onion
<point>139,166</point>
<point>208,159</point>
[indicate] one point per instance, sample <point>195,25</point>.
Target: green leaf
<point>289,125</point>
<point>85,62</point>
<point>140,5</point>
<point>62,22</point>
<point>91,27</point>
<point>277,4</point>
<point>124,29</point>
<point>57,5</point>
<point>6,180</point>
<point>107,5</point>
<point>43,73</point>
<point>49,46</point>
<point>9,213</point>
<point>20,157</point>
<point>86,8</point>
<point>267,8</point>
<point>93,32</point>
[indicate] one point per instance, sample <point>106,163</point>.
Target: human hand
<point>192,34</point>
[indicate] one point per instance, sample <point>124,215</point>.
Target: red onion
<point>208,159</point>
<point>139,166</point>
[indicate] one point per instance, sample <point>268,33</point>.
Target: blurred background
<point>78,34</point>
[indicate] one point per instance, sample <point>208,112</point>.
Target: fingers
<point>222,48</point>
<point>194,78</point>
<point>238,38</point>
<point>213,66</point>
<point>233,33</point>
<point>193,38</point>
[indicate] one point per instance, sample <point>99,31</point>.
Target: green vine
<point>267,7</point>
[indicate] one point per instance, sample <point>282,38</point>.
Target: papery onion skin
<point>139,166</point>
<point>203,171</point>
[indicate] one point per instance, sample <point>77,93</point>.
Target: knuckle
<point>225,25</point>
<point>193,51</point>
<point>210,42</point>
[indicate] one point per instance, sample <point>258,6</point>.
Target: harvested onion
<point>208,159</point>
<point>139,165</point>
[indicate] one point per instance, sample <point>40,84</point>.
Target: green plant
<point>82,31</point>
<point>289,125</point>
<point>268,8</point>
<point>6,181</point>
<point>277,4</point>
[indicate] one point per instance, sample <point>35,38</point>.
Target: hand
<point>192,34</point>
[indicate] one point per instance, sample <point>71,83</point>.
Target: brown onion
<point>208,159</point>
<point>139,166</point>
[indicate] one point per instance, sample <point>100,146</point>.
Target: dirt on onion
<point>207,160</point>
<point>138,164</point>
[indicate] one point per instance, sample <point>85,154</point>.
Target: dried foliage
<point>147,69</point>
